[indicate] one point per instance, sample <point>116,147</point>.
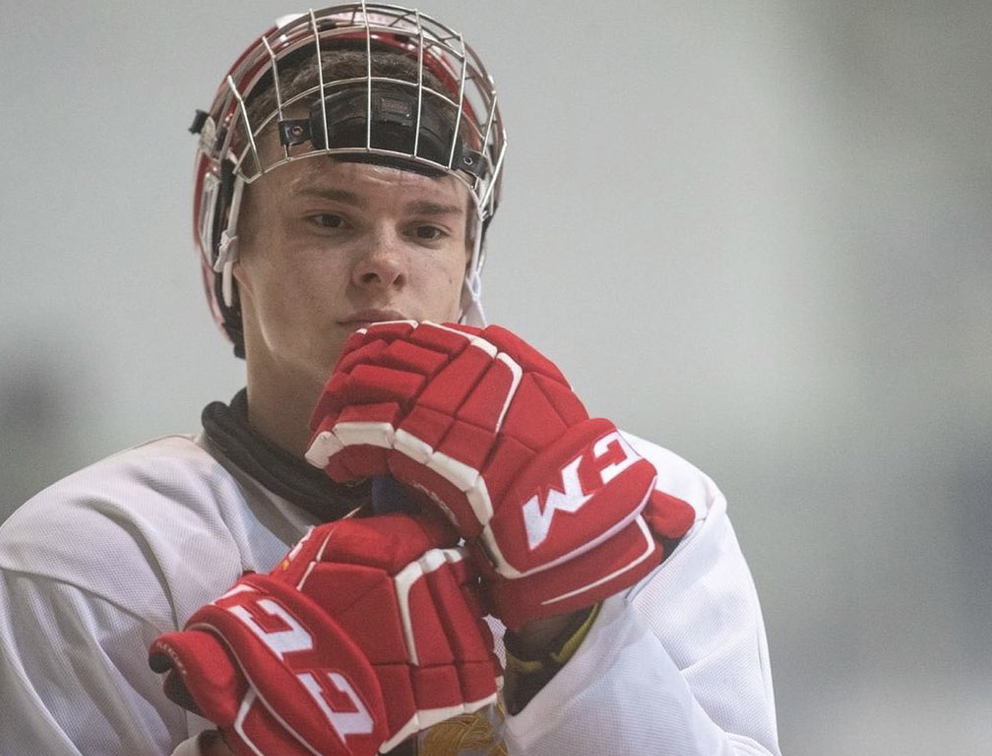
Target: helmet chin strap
<point>472,312</point>
<point>227,269</point>
<point>227,250</point>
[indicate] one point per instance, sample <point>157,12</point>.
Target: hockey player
<point>312,572</point>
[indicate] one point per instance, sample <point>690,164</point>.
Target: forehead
<point>326,177</point>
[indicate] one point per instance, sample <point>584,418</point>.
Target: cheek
<point>289,292</point>
<point>278,265</point>
<point>449,287</point>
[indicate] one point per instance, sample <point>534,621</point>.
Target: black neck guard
<point>282,473</point>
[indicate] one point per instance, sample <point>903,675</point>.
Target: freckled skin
<point>322,240</point>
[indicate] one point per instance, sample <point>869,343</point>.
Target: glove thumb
<point>199,655</point>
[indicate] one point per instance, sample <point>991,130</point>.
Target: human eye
<point>327,220</point>
<point>428,233</point>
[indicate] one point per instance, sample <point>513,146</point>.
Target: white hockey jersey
<point>95,567</point>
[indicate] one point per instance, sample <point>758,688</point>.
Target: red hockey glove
<point>368,632</point>
<point>491,431</point>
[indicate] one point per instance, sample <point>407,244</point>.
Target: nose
<point>382,262</point>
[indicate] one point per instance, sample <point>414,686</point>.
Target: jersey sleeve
<point>91,571</point>
<point>678,665</point>
<point>73,678</point>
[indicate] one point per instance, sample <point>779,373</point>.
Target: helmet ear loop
<point>471,298</point>
<point>224,253</point>
<point>227,248</point>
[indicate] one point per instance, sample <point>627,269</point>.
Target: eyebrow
<point>426,207</point>
<point>330,193</point>
<point>416,207</point>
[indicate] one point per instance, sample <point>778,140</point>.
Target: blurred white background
<point>757,233</point>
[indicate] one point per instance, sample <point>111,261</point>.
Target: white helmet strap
<point>227,250</point>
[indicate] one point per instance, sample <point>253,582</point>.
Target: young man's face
<point>326,247</point>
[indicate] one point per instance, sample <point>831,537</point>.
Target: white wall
<point>758,233</point>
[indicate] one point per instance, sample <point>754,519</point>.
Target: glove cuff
<point>527,674</point>
<point>590,577</point>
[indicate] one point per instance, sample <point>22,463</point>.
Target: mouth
<point>365,318</point>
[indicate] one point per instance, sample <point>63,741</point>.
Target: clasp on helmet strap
<point>227,251</point>
<point>198,120</point>
<point>294,131</point>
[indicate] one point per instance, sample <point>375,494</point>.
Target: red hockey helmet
<point>440,118</point>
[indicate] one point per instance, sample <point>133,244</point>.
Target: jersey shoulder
<point>160,479</point>
<point>680,478</point>
<point>131,524</point>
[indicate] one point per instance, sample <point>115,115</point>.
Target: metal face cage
<point>443,119</point>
